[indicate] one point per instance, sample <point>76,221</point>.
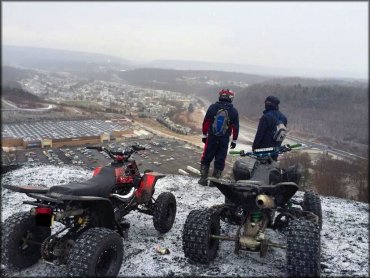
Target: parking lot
<point>162,155</point>
<point>58,129</point>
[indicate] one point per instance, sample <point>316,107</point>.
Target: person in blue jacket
<point>267,125</point>
<point>220,121</point>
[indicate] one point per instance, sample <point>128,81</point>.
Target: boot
<point>203,175</point>
<point>216,174</point>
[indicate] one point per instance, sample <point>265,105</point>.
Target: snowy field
<point>344,235</point>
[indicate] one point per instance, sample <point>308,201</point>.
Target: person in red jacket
<point>220,121</point>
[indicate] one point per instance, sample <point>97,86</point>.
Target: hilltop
<point>344,235</point>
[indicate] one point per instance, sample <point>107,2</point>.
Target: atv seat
<point>100,186</point>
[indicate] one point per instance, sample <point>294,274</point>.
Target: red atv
<point>90,242</point>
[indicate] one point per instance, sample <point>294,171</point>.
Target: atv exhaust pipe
<point>264,201</point>
<point>124,197</point>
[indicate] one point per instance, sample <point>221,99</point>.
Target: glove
<point>204,138</point>
<point>233,144</point>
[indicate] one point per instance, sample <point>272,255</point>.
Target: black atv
<point>90,242</point>
<point>260,197</point>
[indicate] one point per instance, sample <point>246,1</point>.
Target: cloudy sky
<point>314,35</point>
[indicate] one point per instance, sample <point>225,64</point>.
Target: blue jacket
<point>233,117</point>
<point>266,128</point>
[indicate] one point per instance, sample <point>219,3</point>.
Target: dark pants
<point>215,147</point>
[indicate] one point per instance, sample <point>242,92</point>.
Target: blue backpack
<point>221,122</point>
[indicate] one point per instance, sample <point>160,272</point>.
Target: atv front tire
<point>98,252</point>
<point>197,244</point>
<point>164,212</point>
<point>312,203</point>
<point>18,252</point>
<point>303,249</point>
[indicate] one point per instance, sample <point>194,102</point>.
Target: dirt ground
<point>193,120</point>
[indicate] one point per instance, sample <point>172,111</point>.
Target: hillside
<point>10,76</point>
<point>21,97</point>
<point>344,235</point>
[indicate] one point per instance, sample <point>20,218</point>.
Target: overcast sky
<point>315,35</point>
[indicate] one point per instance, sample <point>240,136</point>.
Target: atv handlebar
<point>294,146</point>
<point>266,152</point>
<point>126,154</point>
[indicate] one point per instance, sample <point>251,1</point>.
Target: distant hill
<point>317,81</point>
<point>188,81</point>
<point>254,69</point>
<point>57,59</point>
<point>208,66</point>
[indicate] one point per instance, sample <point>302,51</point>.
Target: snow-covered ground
<point>344,235</point>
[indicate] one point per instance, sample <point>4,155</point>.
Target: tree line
<point>332,177</point>
<point>18,95</point>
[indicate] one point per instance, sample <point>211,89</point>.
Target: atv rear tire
<point>312,203</point>
<point>303,249</point>
<point>164,212</point>
<point>17,252</point>
<point>98,252</point>
<point>196,241</point>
